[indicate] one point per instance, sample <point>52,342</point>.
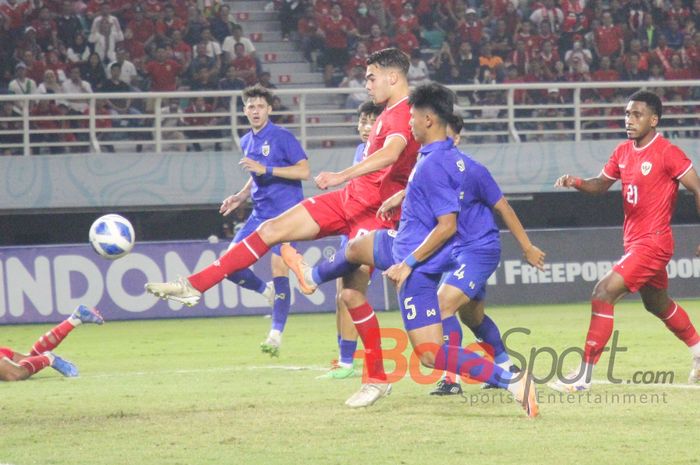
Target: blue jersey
<point>476,227</point>
<point>433,190</point>
<point>359,154</point>
<point>273,146</point>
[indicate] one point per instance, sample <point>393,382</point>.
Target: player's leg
<point>346,337</point>
<point>280,307</point>
<point>246,278</point>
<point>676,319</point>
<point>421,315</point>
<point>16,367</point>
<point>292,225</point>
<point>50,340</point>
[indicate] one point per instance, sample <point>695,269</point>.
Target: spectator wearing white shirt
<point>355,80</point>
<point>50,84</point>
<point>105,33</point>
<point>75,85</point>
<point>21,84</point>
<point>418,71</point>
<point>236,37</point>
<point>128,70</point>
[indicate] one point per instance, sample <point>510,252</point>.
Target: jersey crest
<point>646,168</point>
<point>266,149</point>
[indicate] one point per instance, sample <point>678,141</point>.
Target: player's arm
<point>387,209</point>
<point>299,171</point>
<point>387,155</point>
<point>532,253</point>
<point>445,228</point>
<point>596,185</point>
<point>232,202</point>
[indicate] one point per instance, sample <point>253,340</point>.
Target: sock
<point>599,330</point>
<point>247,279</point>
<point>329,270</point>
<point>241,256</point>
<point>35,363</point>
<point>53,338</point>
<point>488,332</point>
<point>280,308</point>
<point>471,364</point>
<point>347,352</point>
<point>677,321</point>
<point>368,328</point>
<point>452,335</point>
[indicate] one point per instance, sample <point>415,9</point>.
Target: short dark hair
<point>435,97</point>
<point>651,99</point>
<point>257,91</point>
<point>456,123</point>
<point>115,65</point>
<point>390,58</point>
<point>369,108</point>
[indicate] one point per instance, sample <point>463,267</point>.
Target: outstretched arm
<point>299,171</point>
<point>232,202</point>
<point>691,182</point>
<point>596,185</point>
<point>532,253</point>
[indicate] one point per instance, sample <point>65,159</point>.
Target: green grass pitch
<point>200,392</point>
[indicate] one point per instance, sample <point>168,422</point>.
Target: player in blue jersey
<point>277,164</point>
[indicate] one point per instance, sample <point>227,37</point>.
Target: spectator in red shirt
<point>632,71</point>
<point>43,134</point>
<point>519,58</point>
<point>359,58</point>
<point>310,34</point>
<point>608,38</point>
<point>182,51</point>
<point>549,13</point>
<point>337,30</point>
<point>16,14</point>
<point>605,73</point>
<point>46,29</point>
<point>168,22</point>
<point>549,55</point>
<point>525,35</point>
<point>662,53</point>
<point>377,41</point>
<point>469,27</point>
<point>200,105</point>
<point>364,21</point>
<point>408,19</point>
<point>405,40</point>
<point>163,72</point>
<point>35,67</point>
<point>244,65</point>
<point>142,28</point>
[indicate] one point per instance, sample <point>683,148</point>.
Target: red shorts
<point>643,265</point>
<point>6,352</point>
<point>336,215</point>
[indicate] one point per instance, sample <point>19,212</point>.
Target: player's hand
<point>398,274</point>
<point>252,166</point>
<point>388,208</point>
<point>565,181</point>
<point>230,203</point>
<point>535,257</point>
<point>326,179</point>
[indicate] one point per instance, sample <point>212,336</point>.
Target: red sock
<point>677,320</point>
<point>368,328</point>
<point>35,364</point>
<point>52,338</point>
<point>241,256</point>
<point>599,330</point>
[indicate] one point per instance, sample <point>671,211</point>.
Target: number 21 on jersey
<point>632,195</point>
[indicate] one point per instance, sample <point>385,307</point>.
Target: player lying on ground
<point>390,155</point>
<point>650,168</point>
<point>15,366</point>
<point>277,164</point>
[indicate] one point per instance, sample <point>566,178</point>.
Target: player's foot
<point>269,293</point>
<point>575,381</point>
<point>447,387</point>
<point>338,371</point>
<point>694,377</point>
<point>301,269</point>
<point>368,394</point>
<point>272,344</point>
<point>527,396</point>
<point>513,369</point>
<point>64,367</point>
<point>88,315</point>
<point>179,291</point>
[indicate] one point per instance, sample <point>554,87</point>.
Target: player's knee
<point>353,251</point>
<point>469,317</point>
<point>352,298</point>
<point>269,231</point>
<point>601,292</point>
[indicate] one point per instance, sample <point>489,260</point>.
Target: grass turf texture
<point>200,392</point>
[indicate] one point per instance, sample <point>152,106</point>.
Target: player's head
<point>386,74</point>
<point>366,114</point>
<point>431,109</point>
<point>257,105</point>
<point>642,115</point>
<point>454,127</point>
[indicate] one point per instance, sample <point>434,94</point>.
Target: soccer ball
<point>112,236</point>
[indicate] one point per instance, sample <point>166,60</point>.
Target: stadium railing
<point>321,118</point>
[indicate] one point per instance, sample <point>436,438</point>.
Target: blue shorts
<point>383,242</point>
<point>249,227</point>
<point>473,269</point>
<point>418,300</point>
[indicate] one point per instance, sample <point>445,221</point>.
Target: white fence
<point>161,122</point>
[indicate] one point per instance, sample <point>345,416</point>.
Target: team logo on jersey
<point>646,168</point>
<point>392,232</point>
<point>266,149</point>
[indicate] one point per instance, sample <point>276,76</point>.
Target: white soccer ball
<point>112,236</point>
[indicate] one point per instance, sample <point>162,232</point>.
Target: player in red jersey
<point>650,168</point>
<point>389,157</point>
<point>15,366</point>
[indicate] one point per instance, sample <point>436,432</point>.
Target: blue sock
<point>328,270</point>
<point>488,332</point>
<point>452,331</point>
<point>246,278</point>
<point>347,351</point>
<point>464,362</point>
<point>280,308</point>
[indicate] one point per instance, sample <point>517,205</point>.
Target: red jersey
<point>374,188</point>
<point>163,75</point>
<point>608,39</point>
<point>649,178</point>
